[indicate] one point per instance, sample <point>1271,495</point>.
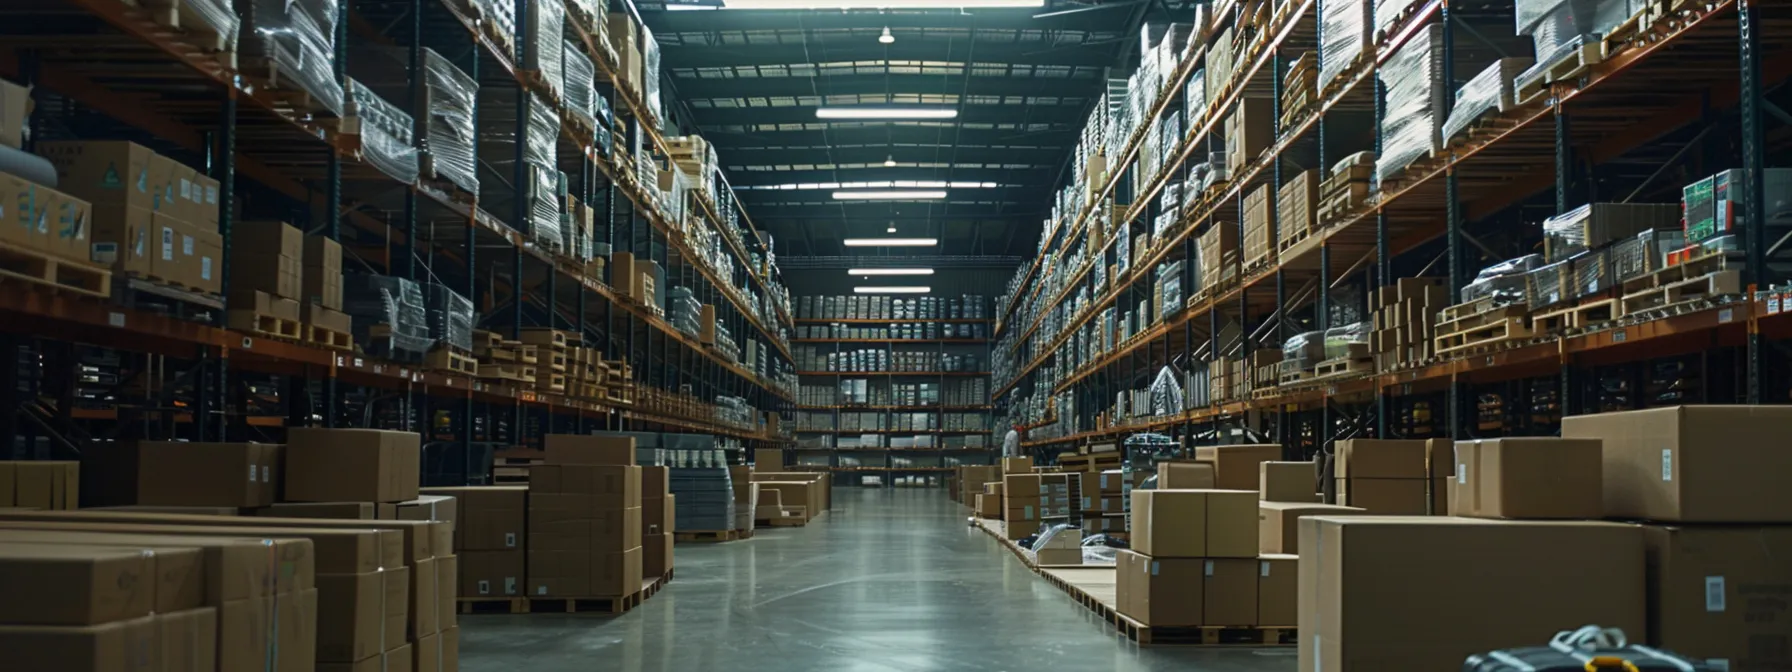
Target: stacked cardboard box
<point>1236,467</point>
<point>1288,482</point>
<point>1278,530</point>
<point>989,502</point>
<point>1259,248</point>
<point>1527,478</point>
<point>1028,500</point>
<point>1112,500</point>
<point>659,513</point>
<point>1185,476</point>
<point>490,538</point>
<point>1249,132</point>
<point>1193,559</point>
<point>1295,206</point>
<point>183,474</point>
<point>1404,315</point>
<point>1397,477</point>
<point>320,303</point>
<point>43,484</point>
<point>151,216</point>
<point>1218,249</point>
<point>971,480</point>
<point>585,515</point>
<point>266,273</point>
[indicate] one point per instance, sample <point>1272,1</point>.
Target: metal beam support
<point>1754,165</point>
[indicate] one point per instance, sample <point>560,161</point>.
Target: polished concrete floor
<point>889,581</point>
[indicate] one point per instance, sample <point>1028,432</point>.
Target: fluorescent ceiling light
<point>877,4</point>
<point>891,290</point>
<point>892,242</point>
<point>886,38</point>
<point>885,113</point>
<point>911,195</point>
<point>889,271</point>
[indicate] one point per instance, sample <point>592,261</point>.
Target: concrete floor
<point>889,581</point>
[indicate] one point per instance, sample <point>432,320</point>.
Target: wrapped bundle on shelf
<point>498,20</point>
<point>650,72</point>
<point>1405,318</point>
<point>1295,206</point>
<point>1596,225</point>
<point>442,110</point>
<point>1249,132</point>
<point>1388,13</point>
<point>1218,255</point>
<point>450,317</point>
<point>384,131</point>
<point>1645,252</point>
<point>684,308</point>
<point>1415,97</point>
<point>1548,284</point>
<point>388,313</point>
<point>1592,273</point>
<point>1503,282</point>
<point>543,51</point>
<point>1350,340</point>
<point>293,42</point>
<point>1344,31</point>
<point>1303,350</point>
<point>578,82</point>
<point>1258,248</point>
<point>1563,31</point>
<point>1219,64</point>
<point>1300,89</point>
<point>1169,287</point>
<point>1194,98</point>
<point>211,25</point>
<point>1487,93</point>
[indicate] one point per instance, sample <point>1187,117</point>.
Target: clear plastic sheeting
<point>217,14</point>
<point>297,39</point>
<point>1560,27</point>
<point>1592,273</point>
<point>450,316</point>
<point>1305,349</point>
<point>1486,93</point>
<point>1387,13</point>
<point>1339,339</point>
<point>1413,77</point>
<point>394,304</point>
<point>1595,225</point>
<point>1644,253</point>
<point>542,42</point>
<point>1344,37</point>
<point>502,15</point>
<point>1166,392</point>
<point>385,132</point>
<point>1548,284</point>
<point>444,106</point>
<point>1504,281</point>
<point>578,76</point>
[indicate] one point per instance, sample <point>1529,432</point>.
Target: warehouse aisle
<point>891,580</point>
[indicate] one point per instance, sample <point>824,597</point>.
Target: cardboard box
<point>203,474</point>
<point>989,506</point>
<point>330,465</point>
<point>1363,591</point>
<point>489,518</point>
<point>1185,476</point>
<point>492,573</point>
<point>328,510</point>
<point>1440,457</point>
<point>616,574</point>
<point>117,646</point>
<point>121,239</point>
<point>1693,463</point>
<point>15,112</point>
<point>321,277</point>
<point>1278,529</point>
<point>76,585</point>
<point>581,449</point>
<point>1715,593</point>
<point>1113,481</point>
<point>1058,557</point>
<point>268,238</point>
<point>1229,591</point>
<point>1531,477</point>
<point>1382,458</point>
<point>1288,482</point>
<point>604,486</point>
<point>768,459</point>
<point>357,613</point>
<point>1195,523</point>
<point>1235,467</point>
<point>46,484</point>
<point>104,171</point>
<point>319,316</point>
<point>656,556</point>
<point>1278,587</point>
<point>1385,496</point>
<point>1017,465</point>
<point>401,658</point>
<point>1161,592</point>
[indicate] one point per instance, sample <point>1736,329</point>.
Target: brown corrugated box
<point>333,465</point>
<point>1718,593</point>
<point>80,585</point>
<point>15,109</point>
<point>589,449</point>
<point>321,281</point>
<point>1530,477</point>
<point>1382,458</point>
<point>1235,467</point>
<point>1278,531</point>
<point>1017,465</point>
<point>426,612</point>
<point>205,474</point>
<point>1183,476</point>
<point>329,510</point>
<point>1278,587</point>
<point>492,573</point>
<point>768,459</point>
<point>490,518</point>
<point>357,613</point>
<point>1229,591</point>
<point>1195,523</point>
<point>656,556</point>
<point>989,506</point>
<point>616,574</point>
<point>1693,463</point>
<point>396,660</point>
<point>415,537</point>
<point>1488,580</point>
<point>608,486</point>
<point>1288,482</point>
<point>103,171</point>
<point>46,485</point>
<point>1384,496</point>
<point>1159,591</point>
<point>585,530</point>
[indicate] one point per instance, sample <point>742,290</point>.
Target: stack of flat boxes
<point>1394,477</point>
<point>1404,316</point>
<point>971,480</point>
<point>266,272</point>
<point>1030,500</point>
<point>1114,487</point>
<point>585,519</point>
<point>658,513</point>
<point>151,216</point>
<point>1194,561</point>
<point>491,539</point>
<point>320,304</point>
<point>1258,247</point>
<point>47,485</point>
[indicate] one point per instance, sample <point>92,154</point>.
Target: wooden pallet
<point>1488,335</point>
<point>1206,635</point>
<point>181,16</point>
<point>782,521</point>
<point>492,605</point>
<point>550,382</point>
<point>526,354</point>
<point>1684,292</point>
<point>1343,366</point>
<point>585,605</point>
<point>449,359</point>
<point>264,325</point>
<point>1575,317</point>
<point>512,372</point>
<point>328,339</point>
<point>706,536</point>
<point>39,268</point>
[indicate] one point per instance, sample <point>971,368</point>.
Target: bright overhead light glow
<point>889,271</point>
<point>913,195</point>
<point>877,4</point>
<point>891,290</point>
<point>890,161</point>
<point>885,113</point>
<point>892,242</point>
<point>886,38</point>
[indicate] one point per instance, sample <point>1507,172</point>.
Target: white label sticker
<point>1263,569</point>
<point>167,244</point>
<point>205,268</point>
<point>1462,474</point>
<point>1207,568</point>
<point>510,540</point>
<point>186,245</point>
<point>485,587</point>
<point>1714,593</point>
<point>541,590</point>
<point>115,319</point>
<point>509,585</point>
<point>186,188</point>
<point>1154,568</point>
<point>1667,465</point>
<point>251,473</point>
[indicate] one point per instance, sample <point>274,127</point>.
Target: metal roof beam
<point>898,21</point>
<point>701,88</point>
<point>888,134</point>
<point>960,153</point>
<point>967,114</point>
<point>885,211</point>
<point>962,50</point>
<point>1023,176</point>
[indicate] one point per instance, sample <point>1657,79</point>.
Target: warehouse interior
<point>1231,335</point>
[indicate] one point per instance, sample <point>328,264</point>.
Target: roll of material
<point>28,166</point>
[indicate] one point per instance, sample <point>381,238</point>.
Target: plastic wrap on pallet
<point>385,132</point>
<point>501,14</point>
<point>1489,91</point>
<point>1595,225</point>
<point>1166,392</point>
<point>1645,253</point>
<point>445,105</point>
<point>1415,96</point>
<point>1194,97</point>
<point>544,208</point>
<point>542,42</point>
<point>297,38</point>
<point>650,72</point>
<point>544,135</point>
<point>216,14</point>
<point>578,76</point>
<point>1339,339</point>
<point>1344,36</point>
<point>1504,281</point>
<point>1387,13</point>
<point>1559,27</point>
<point>450,316</point>
<point>1169,282</point>
<point>395,304</point>
<point>1305,349</point>
<point>1592,273</point>
<point>1544,284</point>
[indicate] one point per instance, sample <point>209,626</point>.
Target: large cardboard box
<point>601,486</point>
<point>1185,476</point>
<point>1386,496</point>
<point>81,585</point>
<point>1691,464</point>
<point>361,615</point>
<point>321,278</point>
<point>768,459</point>
<point>586,449</point>
<point>656,556</point>
<point>1017,465</point>
<point>171,473</point>
<point>1235,467</point>
<point>1278,588</point>
<point>1382,458</point>
<point>488,518</point>
<point>1530,477</point>
<point>326,510</point>
<point>1278,529</point>
<point>989,506</point>
<point>1161,592</point>
<point>1288,482</point>
<point>1195,523</point>
<point>492,573</point>
<point>1717,593</point>
<point>1229,591</point>
<point>355,465</point>
<point>46,484</point>
<point>103,171</point>
<point>1364,591</point>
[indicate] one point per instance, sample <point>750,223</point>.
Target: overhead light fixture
<point>886,38</point>
<point>890,161</point>
<point>892,242</point>
<point>892,195</point>
<point>877,4</point>
<point>885,113</point>
<point>892,228</point>
<point>889,271</point>
<point>891,290</point>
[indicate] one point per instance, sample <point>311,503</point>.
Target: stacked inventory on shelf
<point>864,307</point>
